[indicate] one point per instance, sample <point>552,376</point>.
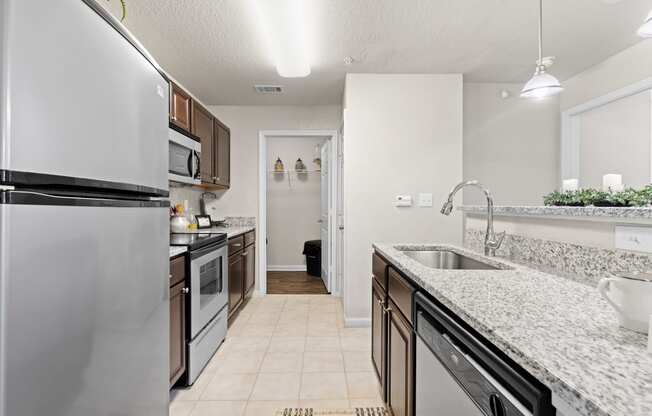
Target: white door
<point>324,220</point>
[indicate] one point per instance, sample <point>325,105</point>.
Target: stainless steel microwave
<point>185,156</point>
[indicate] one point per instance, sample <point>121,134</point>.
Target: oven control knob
<point>496,405</point>
<point>185,290</point>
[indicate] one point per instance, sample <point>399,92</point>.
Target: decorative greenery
<point>584,197</point>
<point>123,6</point>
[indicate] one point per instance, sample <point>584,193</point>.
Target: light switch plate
<point>403,201</point>
<point>425,200</point>
<point>633,238</point>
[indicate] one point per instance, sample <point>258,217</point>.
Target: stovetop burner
<point>194,240</point>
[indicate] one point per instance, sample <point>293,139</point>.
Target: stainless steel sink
<point>445,259</point>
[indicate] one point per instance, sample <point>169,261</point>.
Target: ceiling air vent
<point>268,89</point>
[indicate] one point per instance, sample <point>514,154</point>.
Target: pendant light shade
<point>645,31</point>
<point>542,84</point>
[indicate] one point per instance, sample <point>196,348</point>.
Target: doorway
<point>298,205</point>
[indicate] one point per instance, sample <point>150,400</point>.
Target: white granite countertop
<point>175,251</point>
<point>232,231</point>
<point>560,331</point>
<point>615,214</point>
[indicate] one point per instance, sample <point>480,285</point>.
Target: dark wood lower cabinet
<point>250,268</point>
<point>379,334</point>
<point>400,363</point>
<point>236,281</point>
<point>177,332</point>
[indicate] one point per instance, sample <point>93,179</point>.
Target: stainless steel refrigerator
<point>84,315</point>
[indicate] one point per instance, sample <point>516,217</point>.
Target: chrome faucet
<point>491,243</point>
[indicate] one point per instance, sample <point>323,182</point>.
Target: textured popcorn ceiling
<point>215,47</point>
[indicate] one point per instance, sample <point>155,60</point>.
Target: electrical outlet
<point>633,238</point>
<point>403,201</point>
<point>425,200</point>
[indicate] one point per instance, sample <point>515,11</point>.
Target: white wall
<point>510,145</point>
<point>622,69</point>
<point>615,138</point>
<point>293,201</point>
<point>402,135</point>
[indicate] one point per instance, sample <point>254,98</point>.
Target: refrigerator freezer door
<point>77,99</point>
<point>84,310</point>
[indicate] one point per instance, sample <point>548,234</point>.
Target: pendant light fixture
<point>645,31</point>
<point>542,84</point>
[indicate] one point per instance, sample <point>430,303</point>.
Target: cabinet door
<point>179,107</point>
<point>202,127</point>
<point>250,268</point>
<point>177,332</point>
<point>379,334</point>
<point>400,361</point>
<point>222,155</point>
<point>236,280</point>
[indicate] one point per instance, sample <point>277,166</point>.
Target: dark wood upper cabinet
<point>236,281</point>
<point>180,107</point>
<point>379,334</point>
<point>202,127</point>
<point>177,332</point>
<point>222,155</point>
<point>250,268</point>
<point>400,361</point>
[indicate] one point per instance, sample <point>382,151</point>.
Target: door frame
<point>261,235</point>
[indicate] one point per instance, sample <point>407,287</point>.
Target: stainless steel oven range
<point>207,310</point>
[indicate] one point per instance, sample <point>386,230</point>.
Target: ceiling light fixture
<point>542,84</point>
<point>645,31</point>
<point>284,25</point>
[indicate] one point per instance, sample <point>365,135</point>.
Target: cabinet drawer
<point>177,270</point>
<point>249,238</point>
<point>401,291</point>
<point>236,244</point>
<point>379,270</point>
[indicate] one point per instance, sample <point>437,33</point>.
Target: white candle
<point>612,182</point>
<point>570,185</point>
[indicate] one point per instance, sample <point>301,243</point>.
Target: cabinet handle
<point>387,310</point>
<point>173,117</point>
<point>237,244</point>
<point>185,290</point>
<point>170,276</point>
<point>244,254</point>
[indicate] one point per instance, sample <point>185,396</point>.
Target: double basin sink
<point>447,260</point>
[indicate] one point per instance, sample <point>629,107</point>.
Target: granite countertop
<point>588,213</point>
<point>231,231</point>
<point>560,331</point>
<point>175,251</point>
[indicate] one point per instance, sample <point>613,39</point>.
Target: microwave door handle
<point>197,174</point>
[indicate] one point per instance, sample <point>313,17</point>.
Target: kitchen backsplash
<point>180,193</point>
<point>581,263</point>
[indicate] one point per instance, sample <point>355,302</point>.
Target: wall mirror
<point>611,134</point>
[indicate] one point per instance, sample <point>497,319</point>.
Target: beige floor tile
<point>268,407</point>
<point>355,332</point>
<point>221,408</point>
<point>362,385</point>
<point>246,344</point>
<point>239,362</point>
<point>377,402</point>
<point>325,404</point>
<point>291,330</point>
<point>322,318</point>
<point>357,361</point>
<point>229,387</point>
<point>322,330</point>
<point>262,318</point>
<point>277,386</point>
<point>181,408</point>
<point>323,308</point>
<point>320,362</point>
<point>287,344</point>
<point>282,362</point>
<point>193,392</point>
<point>323,344</point>
<point>355,343</point>
<point>323,386</point>
<point>251,330</point>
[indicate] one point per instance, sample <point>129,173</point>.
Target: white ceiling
<point>215,47</point>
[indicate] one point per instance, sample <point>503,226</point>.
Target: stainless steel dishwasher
<point>457,374</point>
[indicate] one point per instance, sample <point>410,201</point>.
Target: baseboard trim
<point>287,268</point>
<point>357,322</point>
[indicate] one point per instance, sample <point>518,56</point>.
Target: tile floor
<point>284,351</point>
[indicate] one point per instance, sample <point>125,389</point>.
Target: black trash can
<point>312,251</point>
